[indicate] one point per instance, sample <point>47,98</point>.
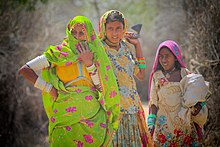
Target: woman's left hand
<point>85,54</point>
<point>128,36</point>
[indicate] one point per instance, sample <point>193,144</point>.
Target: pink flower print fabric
<point>71,109</point>
<point>93,37</point>
<point>101,102</point>
<point>106,78</point>
<point>59,47</point>
<point>78,90</point>
<point>113,94</point>
<point>107,67</point>
<point>103,125</point>
<point>89,123</point>
<point>80,144</point>
<point>68,63</point>
<point>88,97</point>
<point>68,128</point>
<point>52,119</point>
<point>64,54</point>
<point>55,111</point>
<point>88,139</point>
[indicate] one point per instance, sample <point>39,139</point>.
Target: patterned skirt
<point>131,132</point>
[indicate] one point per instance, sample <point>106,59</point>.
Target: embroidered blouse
<point>125,67</point>
<point>170,129</point>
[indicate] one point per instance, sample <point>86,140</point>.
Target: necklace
<point>111,44</point>
<point>168,73</point>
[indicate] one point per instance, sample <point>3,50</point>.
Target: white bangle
<point>95,79</point>
<point>42,85</point>
<point>93,74</point>
<point>38,63</point>
<point>48,87</point>
<point>91,68</point>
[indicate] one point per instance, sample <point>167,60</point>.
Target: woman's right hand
<point>197,109</point>
<point>151,130</point>
<point>54,93</point>
<point>85,54</point>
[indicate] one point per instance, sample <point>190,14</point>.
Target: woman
<point>127,61</point>
<point>79,89</point>
<point>177,99</point>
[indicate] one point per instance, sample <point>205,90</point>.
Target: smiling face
<point>114,31</point>
<point>166,59</point>
<point>78,32</point>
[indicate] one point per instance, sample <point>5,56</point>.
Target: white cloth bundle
<point>194,89</point>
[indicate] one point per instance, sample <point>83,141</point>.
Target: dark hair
<point>115,16</point>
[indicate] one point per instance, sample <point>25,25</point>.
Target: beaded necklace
<point>168,73</point>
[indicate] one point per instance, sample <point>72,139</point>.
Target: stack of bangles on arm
<point>151,119</point>
<point>141,62</point>
<point>94,75</point>
<point>36,64</point>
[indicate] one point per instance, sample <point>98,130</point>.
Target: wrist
<point>141,62</point>
<point>88,63</point>
<point>151,119</point>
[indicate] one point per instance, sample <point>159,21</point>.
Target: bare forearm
<point>153,109</point>
<point>28,74</point>
<point>139,54</point>
<point>138,49</point>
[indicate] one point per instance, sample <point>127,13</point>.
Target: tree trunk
<point>203,37</point>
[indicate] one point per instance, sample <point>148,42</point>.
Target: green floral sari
<point>81,115</point>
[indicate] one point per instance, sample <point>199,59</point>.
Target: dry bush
<point>203,42</point>
<point>20,119</point>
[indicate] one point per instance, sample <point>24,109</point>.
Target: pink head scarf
<point>175,49</point>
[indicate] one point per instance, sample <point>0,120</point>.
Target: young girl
<point>177,100</point>
<point>79,89</point>
<point>127,61</point>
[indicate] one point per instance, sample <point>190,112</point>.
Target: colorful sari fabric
<point>81,115</point>
<point>174,122</point>
<point>132,127</point>
<point>170,129</point>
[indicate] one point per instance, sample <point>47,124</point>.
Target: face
<point>114,31</point>
<point>166,59</point>
<point>78,32</point>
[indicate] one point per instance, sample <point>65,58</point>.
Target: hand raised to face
<point>85,55</point>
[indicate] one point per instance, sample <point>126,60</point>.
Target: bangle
<point>151,119</point>
<point>140,58</point>
<point>38,63</point>
<point>48,87</point>
<point>42,85</point>
<point>142,65</point>
<point>202,103</point>
<point>91,68</point>
<point>141,62</point>
<point>93,74</point>
<point>152,115</point>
